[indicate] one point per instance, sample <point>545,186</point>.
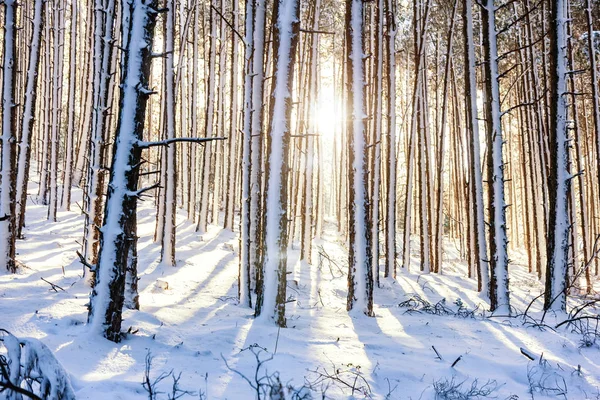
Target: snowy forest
<point>299,199</point>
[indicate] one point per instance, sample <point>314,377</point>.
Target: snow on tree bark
<point>475,167</point>
<point>307,206</point>
<point>285,40</point>
<point>244,294</point>
<point>233,123</point>
<point>103,34</point>
<point>70,141</point>
<point>360,277</point>
<point>390,226</point>
<point>256,161</point>
<point>559,182</point>
<point>499,293</point>
<point>208,124</point>
<point>28,117</point>
<point>8,140</point>
<point>170,195</point>
<point>117,239</point>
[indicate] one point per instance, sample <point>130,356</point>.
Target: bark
<point>499,293</point>
<point>285,41</point>
<point>560,179</point>
<point>117,248</point>
<point>28,117</point>
<point>360,276</point>
<point>8,110</point>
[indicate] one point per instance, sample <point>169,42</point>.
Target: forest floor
<point>195,324</point>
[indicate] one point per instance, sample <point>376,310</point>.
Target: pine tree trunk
<point>8,139</point>
<point>168,238</point>
<point>499,294</point>
<point>29,115</point>
<point>360,276</point>
<point>560,179</point>
<point>118,240</point>
<point>390,226</point>
<point>285,41</point>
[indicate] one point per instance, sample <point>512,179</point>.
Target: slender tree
<point>560,179</point>
<point>8,140</point>
<point>360,277</point>
<point>271,305</point>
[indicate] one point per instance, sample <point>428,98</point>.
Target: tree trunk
<point>8,139</point>
<point>360,276</point>
<point>118,239</point>
<point>285,41</point>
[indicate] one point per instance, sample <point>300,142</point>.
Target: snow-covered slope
<point>195,323</point>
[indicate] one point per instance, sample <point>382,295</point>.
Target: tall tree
<point>360,277</point>
<point>499,294</point>
<point>560,179</point>
<point>8,139</point>
<point>271,305</point>
<point>29,114</point>
<point>118,230</point>
<point>472,123</point>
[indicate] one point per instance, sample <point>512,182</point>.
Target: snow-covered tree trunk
<point>419,33</point>
<point>285,40</point>
<point>560,179</point>
<point>256,159</point>
<point>29,115</point>
<point>244,279</point>
<point>70,142</point>
<point>45,127</point>
<point>233,123</point>
<point>390,226</point>
<point>439,225</point>
<point>472,123</point>
<point>360,276</point>
<point>208,124</point>
<point>499,293</point>
<point>104,16</point>
<point>8,139</point>
<point>170,191</point>
<point>307,206</point>
<point>118,231</point>
<point>194,114</point>
<point>219,150</point>
<point>377,127</point>
<point>57,81</point>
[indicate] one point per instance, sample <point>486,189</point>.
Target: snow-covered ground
<point>195,324</point>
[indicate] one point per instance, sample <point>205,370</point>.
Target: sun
<point>327,114</point>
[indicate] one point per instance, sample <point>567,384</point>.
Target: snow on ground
<point>195,324</point>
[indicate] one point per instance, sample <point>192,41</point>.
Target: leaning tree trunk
<point>360,277</point>
<point>118,231</point>
<point>8,138</point>
<point>559,182</point>
<point>499,294</point>
<point>285,41</point>
<point>27,123</point>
